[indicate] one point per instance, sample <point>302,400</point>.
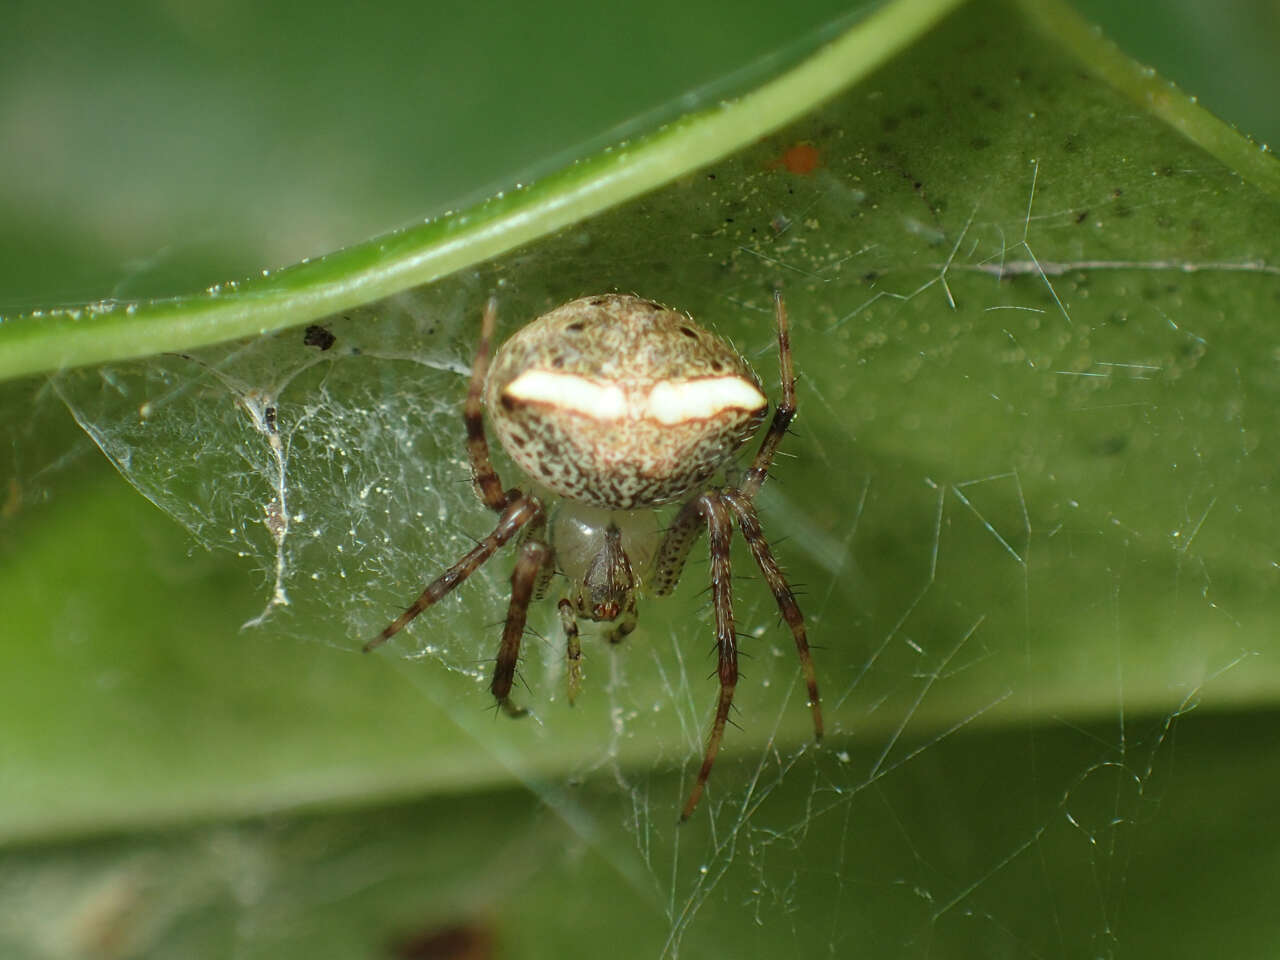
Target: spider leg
<point>687,525</point>
<point>719,535</point>
<point>782,416</point>
<point>674,549</point>
<point>532,557</point>
<point>749,524</point>
<point>573,648</point>
<point>483,475</point>
<point>537,530</point>
<point>514,517</point>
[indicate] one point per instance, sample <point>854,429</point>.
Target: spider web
<point>966,510</point>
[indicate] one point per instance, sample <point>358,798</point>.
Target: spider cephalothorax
<point>619,405</point>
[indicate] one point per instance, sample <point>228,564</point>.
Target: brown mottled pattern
<point>634,343</point>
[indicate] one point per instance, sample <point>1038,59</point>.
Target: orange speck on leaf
<point>802,158</point>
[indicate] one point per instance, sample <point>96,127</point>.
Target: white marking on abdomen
<point>677,401</point>
<point>568,392</point>
<point>668,402</point>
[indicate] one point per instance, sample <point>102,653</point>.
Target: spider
<point>620,405</point>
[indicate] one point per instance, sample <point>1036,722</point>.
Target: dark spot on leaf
<point>318,336</point>
<point>459,942</point>
<point>1112,445</point>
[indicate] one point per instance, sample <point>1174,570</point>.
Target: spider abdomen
<point>621,403</point>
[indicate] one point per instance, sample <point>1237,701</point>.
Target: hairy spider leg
<point>514,509</point>
<point>783,415</point>
<point>719,538</point>
<point>749,524</point>
<point>529,563</point>
<point>573,647</point>
<point>483,475</point>
<point>514,517</point>
<point>673,551</point>
<point>684,530</point>
<point>537,530</point>
<point>739,501</point>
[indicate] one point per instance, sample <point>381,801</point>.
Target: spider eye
<point>576,327</point>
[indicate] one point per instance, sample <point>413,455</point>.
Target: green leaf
<point>108,330</point>
<point>1029,507</point>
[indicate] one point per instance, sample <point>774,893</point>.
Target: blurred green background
<point>155,148</point>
